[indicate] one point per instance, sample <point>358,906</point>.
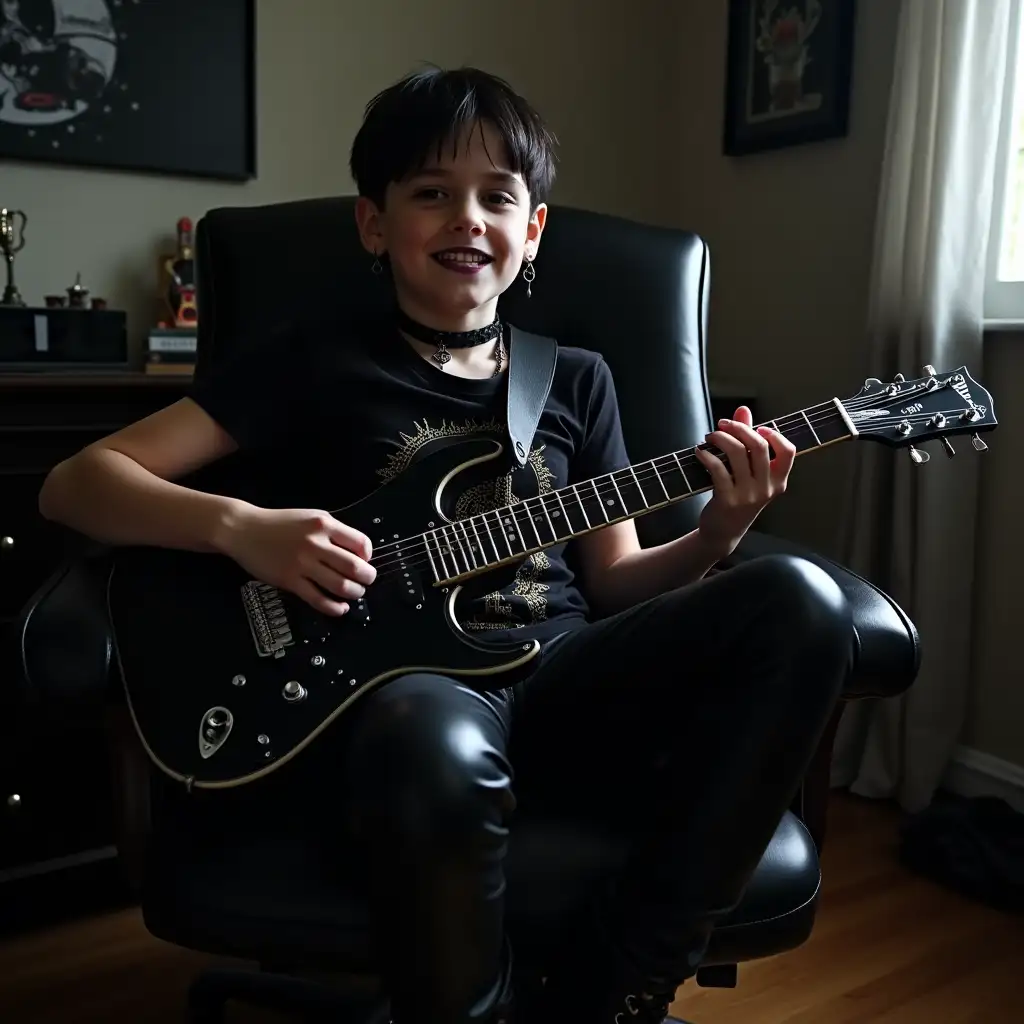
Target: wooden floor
<point>888,948</point>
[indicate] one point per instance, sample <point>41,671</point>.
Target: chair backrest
<point>635,293</point>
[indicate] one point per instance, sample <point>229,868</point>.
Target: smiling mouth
<point>463,261</point>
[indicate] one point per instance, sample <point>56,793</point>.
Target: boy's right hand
<point>302,550</point>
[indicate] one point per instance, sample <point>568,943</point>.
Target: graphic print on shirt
<point>523,603</point>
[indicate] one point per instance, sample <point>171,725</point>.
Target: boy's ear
<point>368,221</point>
<point>535,229</point>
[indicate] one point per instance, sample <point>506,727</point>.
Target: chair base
<point>311,1001</point>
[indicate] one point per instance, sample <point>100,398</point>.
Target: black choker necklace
<point>445,340</point>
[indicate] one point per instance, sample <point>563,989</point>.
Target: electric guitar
<point>228,678</point>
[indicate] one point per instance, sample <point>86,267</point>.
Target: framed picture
<point>148,85</point>
<point>788,72</point>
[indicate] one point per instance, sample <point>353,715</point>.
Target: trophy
<point>12,240</point>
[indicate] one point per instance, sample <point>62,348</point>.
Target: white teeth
<point>462,257</point>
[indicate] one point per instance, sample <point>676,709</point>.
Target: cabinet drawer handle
<point>6,543</point>
<point>14,800</point>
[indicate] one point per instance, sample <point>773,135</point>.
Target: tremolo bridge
<point>268,619</point>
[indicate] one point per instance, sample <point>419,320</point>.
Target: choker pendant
<point>442,355</point>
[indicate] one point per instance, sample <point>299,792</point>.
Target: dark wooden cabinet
<point>55,792</point>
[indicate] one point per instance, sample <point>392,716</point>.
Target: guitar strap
<point>531,369</point>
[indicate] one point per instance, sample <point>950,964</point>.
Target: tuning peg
<point>929,370</point>
<point>979,445</point>
<point>950,450</point>
<point>900,379</point>
<point>918,457</point>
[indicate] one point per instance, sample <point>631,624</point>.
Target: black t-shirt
<point>328,415</point>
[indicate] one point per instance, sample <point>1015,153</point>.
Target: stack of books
<point>171,350</point>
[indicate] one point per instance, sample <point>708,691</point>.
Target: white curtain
<point>911,528</point>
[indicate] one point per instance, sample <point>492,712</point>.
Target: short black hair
<point>426,110</point>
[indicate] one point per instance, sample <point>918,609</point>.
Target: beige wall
<point>318,62</point>
<point>635,94</point>
<point>790,236</point>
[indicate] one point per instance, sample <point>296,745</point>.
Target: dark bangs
<point>412,122</point>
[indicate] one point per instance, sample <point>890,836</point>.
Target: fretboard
<point>469,546</point>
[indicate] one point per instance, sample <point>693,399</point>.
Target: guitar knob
<point>293,691</point>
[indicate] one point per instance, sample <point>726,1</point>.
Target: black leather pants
<point>689,719</point>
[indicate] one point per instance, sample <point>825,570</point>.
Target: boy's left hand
<point>755,479</point>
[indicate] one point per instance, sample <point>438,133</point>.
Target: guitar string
<point>418,552</point>
<point>418,545</point>
<point>669,462</point>
<point>820,414</point>
<point>796,418</point>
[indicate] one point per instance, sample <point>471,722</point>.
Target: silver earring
<point>529,274</point>
<point>376,267</point>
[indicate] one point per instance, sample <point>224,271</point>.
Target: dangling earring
<point>376,267</point>
<point>529,274</point>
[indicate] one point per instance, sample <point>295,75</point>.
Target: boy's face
<point>456,233</point>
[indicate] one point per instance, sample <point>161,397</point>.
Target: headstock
<point>906,413</point>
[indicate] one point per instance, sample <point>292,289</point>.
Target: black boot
<point>598,984</point>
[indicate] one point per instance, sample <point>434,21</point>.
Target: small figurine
<point>181,290</point>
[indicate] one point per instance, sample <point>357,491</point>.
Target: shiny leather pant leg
<point>427,798</point>
<point>687,722</point>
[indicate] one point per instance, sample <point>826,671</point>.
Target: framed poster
<point>149,85</point>
<point>788,72</point>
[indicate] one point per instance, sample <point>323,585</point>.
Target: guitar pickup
<point>358,611</point>
<point>410,588</point>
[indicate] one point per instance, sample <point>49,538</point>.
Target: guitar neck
<point>467,547</point>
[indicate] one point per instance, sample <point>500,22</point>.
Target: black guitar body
<point>228,679</point>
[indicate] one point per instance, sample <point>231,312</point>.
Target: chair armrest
<point>887,652</point>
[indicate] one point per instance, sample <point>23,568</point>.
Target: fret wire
<point>643,497</point>
<point>657,473</point>
<point>430,558</point>
<point>469,543</point>
<point>533,525</point>
<point>586,518</point>
<point>600,501</point>
<point>622,504</point>
<point>440,556</point>
<point>565,514</point>
<point>501,526</point>
<point>813,431</point>
<point>483,553</point>
<point>451,546</point>
<point>686,479</point>
<point>515,523</point>
<point>551,525</point>
<point>490,533</point>
<point>455,559</point>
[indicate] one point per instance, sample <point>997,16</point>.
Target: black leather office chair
<point>637,294</point>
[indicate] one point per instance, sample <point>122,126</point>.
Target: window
<point>1004,289</point>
